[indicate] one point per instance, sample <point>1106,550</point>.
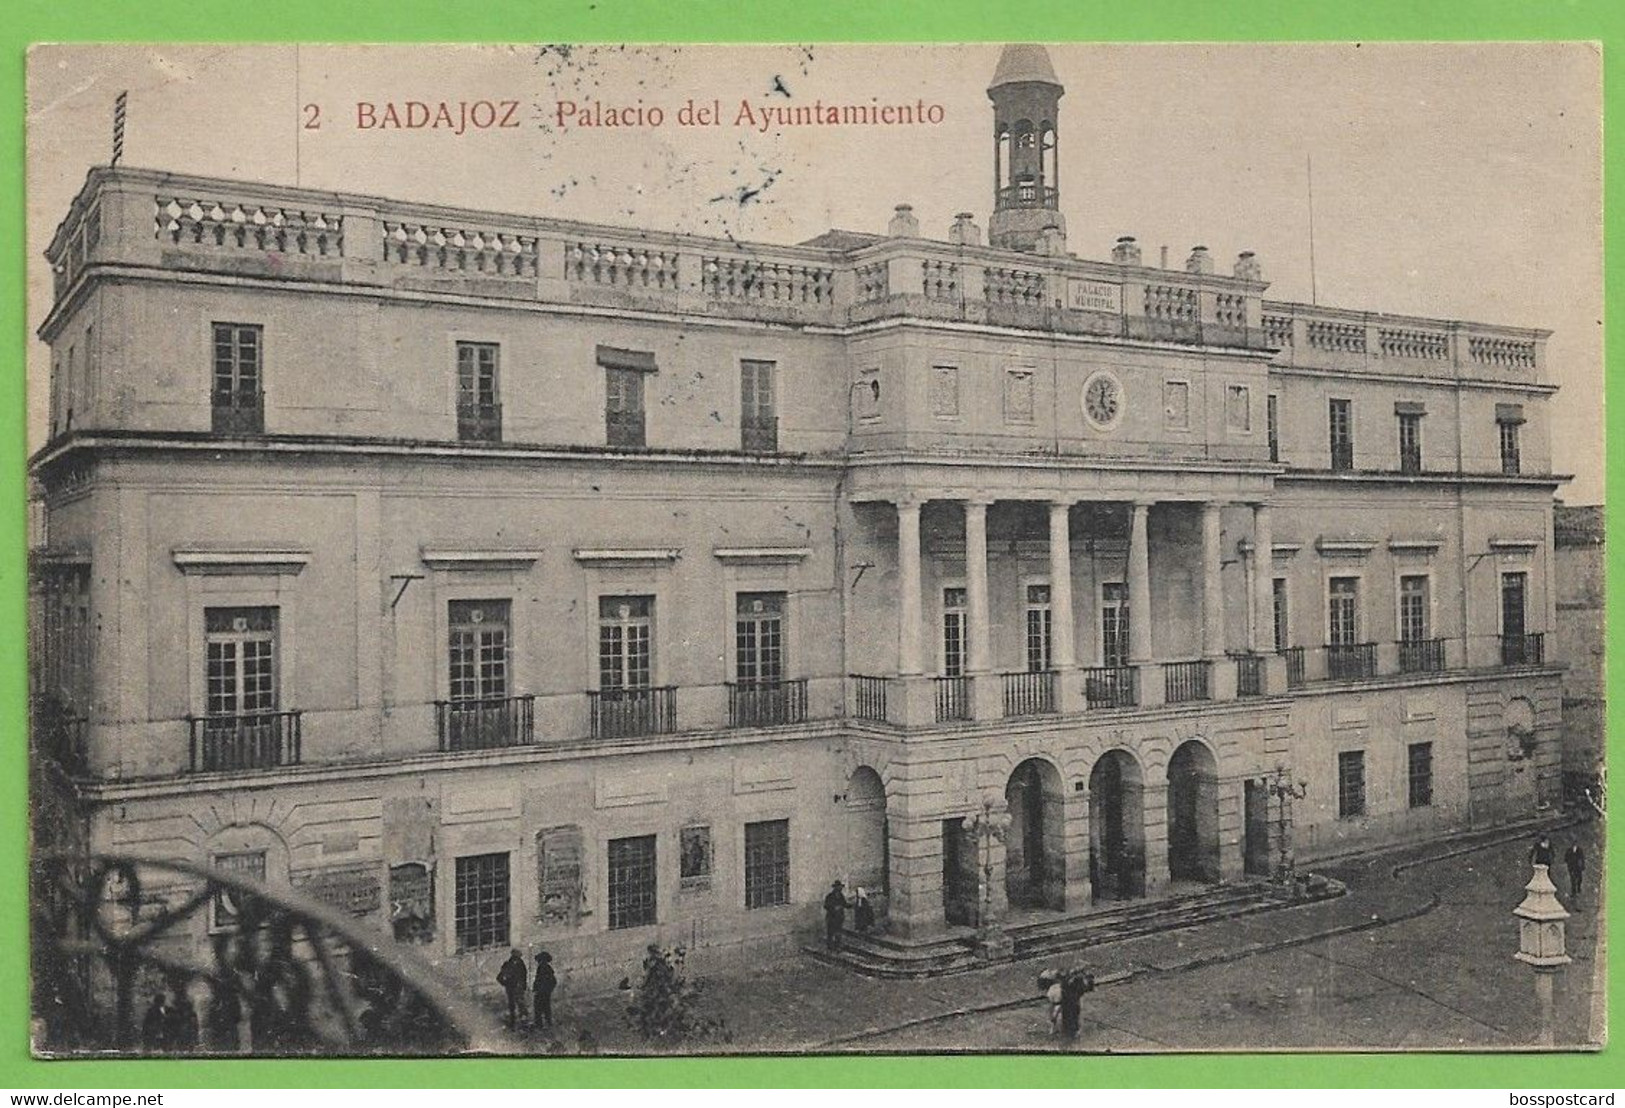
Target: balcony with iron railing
<point>237,413</point>
<point>1528,649</point>
<point>869,697</point>
<point>759,435</point>
<point>953,698</point>
<point>1031,693</point>
<point>627,713</point>
<point>1351,661</point>
<point>1421,656</point>
<point>479,422</point>
<point>767,703</point>
<point>485,724</point>
<point>1249,675</point>
<point>1028,196</point>
<point>1296,666</point>
<point>1111,686</point>
<point>1185,682</point>
<point>251,740</point>
<point>624,428</point>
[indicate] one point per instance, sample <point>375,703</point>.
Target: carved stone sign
<point>1093,296</point>
<point>559,875</point>
<point>354,891</point>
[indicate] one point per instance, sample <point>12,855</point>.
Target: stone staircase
<point>953,951</point>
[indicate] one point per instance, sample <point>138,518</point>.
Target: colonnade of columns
<point>1063,645</point>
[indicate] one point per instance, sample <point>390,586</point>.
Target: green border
<point>712,21</point>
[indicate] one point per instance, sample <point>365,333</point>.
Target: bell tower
<point>1026,168</point>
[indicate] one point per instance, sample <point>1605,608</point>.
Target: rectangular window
<point>227,908</point>
<point>953,633</point>
<point>1410,442</point>
<point>1419,763</point>
<point>694,848</point>
<point>1176,405</point>
<point>1018,396</point>
<point>758,407</point>
<point>482,902</point>
<point>238,393</point>
<point>479,410</point>
<point>1281,613</point>
<point>1114,624</point>
<point>1514,593</point>
<point>1039,616</point>
<point>623,407</point>
<point>1343,611</point>
<point>945,391</point>
<point>1509,447</point>
<point>625,642</point>
<point>1340,422</point>
<point>1272,417</point>
<point>759,637</point>
<point>1238,409</point>
<point>866,395</point>
<point>1350,784</point>
<point>240,646</point>
<point>1413,608</point>
<point>767,863</point>
<point>479,649</point>
<point>632,882</point>
<point>72,390</point>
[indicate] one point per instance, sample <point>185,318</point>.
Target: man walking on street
<point>513,978</point>
<point>834,915</point>
<point>1575,858</point>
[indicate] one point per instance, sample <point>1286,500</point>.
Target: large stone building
<point>514,581</point>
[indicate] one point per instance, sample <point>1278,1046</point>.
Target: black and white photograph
<point>698,549</point>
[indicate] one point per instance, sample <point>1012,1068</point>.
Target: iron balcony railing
<point>1184,682</point>
<point>1111,686</point>
<point>1029,196</point>
<point>767,703</point>
<point>624,428</point>
<point>252,740</point>
<point>1342,456</point>
<point>1029,694</point>
<point>1410,461</point>
<point>238,413</point>
<point>1523,650</point>
<point>1421,656</point>
<point>622,713</point>
<point>485,724</point>
<point>1294,656</point>
<point>759,435</point>
<point>953,698</point>
<point>1351,661</point>
<point>59,733</point>
<point>479,422</point>
<point>869,697</point>
<point>1249,675</point>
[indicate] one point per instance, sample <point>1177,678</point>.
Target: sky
<point>1449,180</point>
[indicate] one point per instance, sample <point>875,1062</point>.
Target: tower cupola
<point>1026,153</point>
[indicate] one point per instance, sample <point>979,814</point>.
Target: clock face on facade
<point>1103,400</point>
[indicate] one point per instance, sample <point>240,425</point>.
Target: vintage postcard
<point>956,548</point>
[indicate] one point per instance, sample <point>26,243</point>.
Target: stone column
<point>1212,588</point>
<point>1263,581</point>
<point>908,587</point>
<point>1139,586</point>
<point>979,653</point>
<point>1063,620</point>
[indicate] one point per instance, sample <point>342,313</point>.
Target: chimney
<point>1164,257</point>
<point>964,231</point>
<point>1247,267</point>
<point>1127,251</point>
<point>1051,241</point>
<point>903,225</point>
<point>1200,261</point>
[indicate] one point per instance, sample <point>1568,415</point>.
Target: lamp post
<point>1541,942</point>
<point>990,827</point>
<point>1285,791</point>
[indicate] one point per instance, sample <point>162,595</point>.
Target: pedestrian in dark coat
<point>834,915</point>
<point>1073,986</point>
<point>1575,859</point>
<point>155,1025</point>
<point>546,982</point>
<point>183,1022</point>
<point>1541,853</point>
<point>513,978</point>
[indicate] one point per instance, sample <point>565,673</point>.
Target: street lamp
<point>1540,942</point>
<point>1285,791</point>
<point>990,828</point>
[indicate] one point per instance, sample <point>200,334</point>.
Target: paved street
<point>1418,955</point>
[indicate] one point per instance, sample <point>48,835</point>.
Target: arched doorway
<point>1193,814</point>
<point>1116,827</point>
<point>866,851</point>
<point>1034,848</point>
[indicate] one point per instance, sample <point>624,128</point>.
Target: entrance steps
<point>956,949</point>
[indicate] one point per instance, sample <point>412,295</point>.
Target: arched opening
<point>866,832</point>
<point>1001,158</point>
<point>1034,848</point>
<point>1193,814</point>
<point>1116,827</point>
